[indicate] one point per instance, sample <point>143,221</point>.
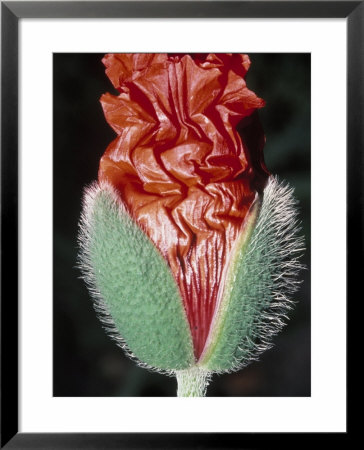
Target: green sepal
<point>261,276</point>
<point>135,293</point>
<point>231,321</point>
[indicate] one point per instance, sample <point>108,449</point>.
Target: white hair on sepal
<point>271,266</point>
<point>278,231</point>
<point>88,275</point>
<point>275,239</point>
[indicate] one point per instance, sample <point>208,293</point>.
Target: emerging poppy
<point>189,246</point>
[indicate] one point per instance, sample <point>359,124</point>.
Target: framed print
<point>82,96</point>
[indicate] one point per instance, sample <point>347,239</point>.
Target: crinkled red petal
<point>186,174</point>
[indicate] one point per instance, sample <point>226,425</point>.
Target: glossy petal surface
<point>185,173</point>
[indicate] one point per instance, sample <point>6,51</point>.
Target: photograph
<point>181,224</point>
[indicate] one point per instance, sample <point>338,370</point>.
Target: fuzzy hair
<point>88,274</point>
<point>276,236</point>
<point>192,382</point>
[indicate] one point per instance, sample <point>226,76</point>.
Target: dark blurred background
<point>86,361</point>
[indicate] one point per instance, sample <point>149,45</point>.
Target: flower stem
<point>192,382</point>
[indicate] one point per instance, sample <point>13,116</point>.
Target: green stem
<point>192,382</point>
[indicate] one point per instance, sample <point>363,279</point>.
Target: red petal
<point>179,164</point>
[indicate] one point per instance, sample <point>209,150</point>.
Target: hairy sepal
<point>261,277</point>
<point>134,292</point>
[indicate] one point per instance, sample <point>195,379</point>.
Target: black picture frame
<point>11,12</point>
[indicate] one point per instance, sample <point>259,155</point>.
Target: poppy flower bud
<point>188,244</point>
